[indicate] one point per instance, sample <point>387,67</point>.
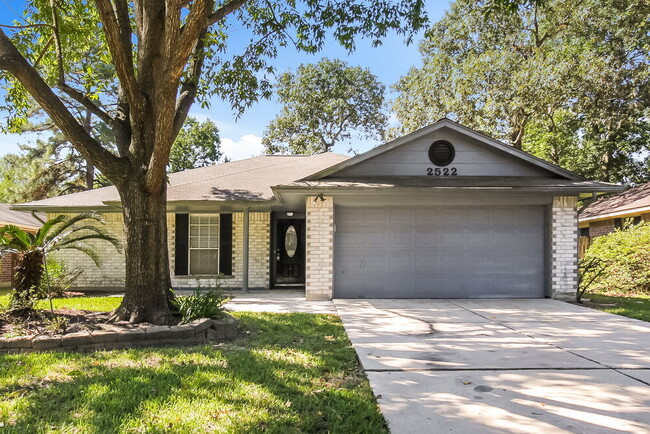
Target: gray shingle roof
<point>249,179</point>
<point>18,218</point>
<point>626,202</point>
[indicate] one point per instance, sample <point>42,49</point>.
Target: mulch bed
<point>58,322</point>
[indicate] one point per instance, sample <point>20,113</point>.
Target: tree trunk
<point>147,296</point>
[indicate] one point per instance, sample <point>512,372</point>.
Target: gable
<point>472,158</point>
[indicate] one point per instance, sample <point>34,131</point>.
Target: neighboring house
<point>444,212</point>
<point>24,221</point>
<point>608,213</point>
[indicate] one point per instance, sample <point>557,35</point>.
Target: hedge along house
<point>444,212</point>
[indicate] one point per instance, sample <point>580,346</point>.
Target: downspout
<point>244,280</point>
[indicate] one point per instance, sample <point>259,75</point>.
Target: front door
<point>289,253</point>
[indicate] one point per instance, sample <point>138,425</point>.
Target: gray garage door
<point>441,252</point>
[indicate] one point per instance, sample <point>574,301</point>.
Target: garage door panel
<point>401,262</point>
<point>375,216</point>
<point>401,238</point>
<point>427,216</point>
<point>438,252</point>
<point>376,238</point>
<point>453,215</point>
<point>401,217</point>
<point>453,237</point>
<point>427,237</point>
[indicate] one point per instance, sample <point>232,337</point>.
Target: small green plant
<point>590,269</point>
<point>207,304</point>
<point>59,279</point>
<point>57,324</point>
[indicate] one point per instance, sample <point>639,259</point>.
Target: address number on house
<point>442,171</point>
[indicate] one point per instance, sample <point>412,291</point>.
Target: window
<point>204,244</point>
<point>584,232</point>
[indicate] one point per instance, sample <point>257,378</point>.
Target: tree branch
<point>86,102</point>
<point>225,10</point>
<point>15,63</point>
<point>120,50</point>
<point>189,88</point>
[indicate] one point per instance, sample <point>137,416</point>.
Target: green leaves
<point>197,145</point>
<point>566,81</point>
<point>324,104</point>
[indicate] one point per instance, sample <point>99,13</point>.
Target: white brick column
<point>320,248</point>
<point>564,248</point>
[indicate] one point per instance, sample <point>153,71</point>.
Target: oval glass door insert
<point>291,241</point>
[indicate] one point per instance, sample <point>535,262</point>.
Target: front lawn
<point>637,306</point>
<point>101,304</point>
<point>287,373</point>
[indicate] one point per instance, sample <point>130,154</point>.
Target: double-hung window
<point>204,244</point>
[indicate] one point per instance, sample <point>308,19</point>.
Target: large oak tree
<point>165,55</point>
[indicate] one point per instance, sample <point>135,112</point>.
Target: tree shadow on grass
<point>289,373</point>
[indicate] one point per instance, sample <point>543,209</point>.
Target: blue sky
<point>241,137</point>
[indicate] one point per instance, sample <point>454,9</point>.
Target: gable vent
<point>441,153</point>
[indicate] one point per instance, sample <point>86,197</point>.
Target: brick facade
<point>602,227</point>
<point>5,270</point>
<point>110,275</point>
<point>320,248</point>
<point>564,248</point>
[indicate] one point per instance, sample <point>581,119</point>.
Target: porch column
<point>319,265</point>
<point>564,248</point>
<point>245,254</point>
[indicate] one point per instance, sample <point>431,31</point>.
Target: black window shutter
<point>225,244</point>
<point>182,246</point>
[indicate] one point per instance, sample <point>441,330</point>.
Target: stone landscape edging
<point>200,331</point>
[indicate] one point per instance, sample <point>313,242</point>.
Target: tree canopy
<point>568,81</point>
<point>324,104</point>
<point>197,145</point>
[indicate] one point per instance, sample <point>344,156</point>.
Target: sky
<point>241,138</point>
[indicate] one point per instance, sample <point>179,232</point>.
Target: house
<point>608,213</point>
<point>24,221</point>
<point>444,212</point>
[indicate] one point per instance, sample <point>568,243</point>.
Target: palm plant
<point>58,233</point>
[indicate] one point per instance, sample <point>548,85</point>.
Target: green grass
<point>637,306</point>
<point>288,373</point>
<point>102,304</point>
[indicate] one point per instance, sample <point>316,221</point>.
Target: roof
<point>21,219</point>
<point>250,180</point>
<point>468,182</point>
<point>447,123</point>
<point>635,199</point>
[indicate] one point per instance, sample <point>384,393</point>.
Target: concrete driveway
<point>474,366</point>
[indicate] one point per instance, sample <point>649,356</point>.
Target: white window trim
<point>189,243</point>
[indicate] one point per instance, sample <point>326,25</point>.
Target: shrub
<point>201,305</point>
<point>625,257</point>
<point>59,279</point>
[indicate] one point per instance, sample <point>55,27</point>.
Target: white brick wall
<point>110,275</point>
<point>320,249</point>
<point>564,248</point>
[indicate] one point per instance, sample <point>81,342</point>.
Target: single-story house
<point>443,212</point>
<point>608,213</point>
<point>24,221</point>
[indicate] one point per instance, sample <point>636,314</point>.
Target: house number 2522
<point>442,171</point>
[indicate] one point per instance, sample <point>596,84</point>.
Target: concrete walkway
<point>277,301</point>
<point>475,366</point>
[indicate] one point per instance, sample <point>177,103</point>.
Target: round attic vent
<point>441,153</point>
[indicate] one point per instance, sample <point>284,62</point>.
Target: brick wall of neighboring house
<point>564,244</point>
<point>5,270</point>
<point>110,276</point>
<point>645,217</point>
<point>320,249</point>
<point>601,227</point>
